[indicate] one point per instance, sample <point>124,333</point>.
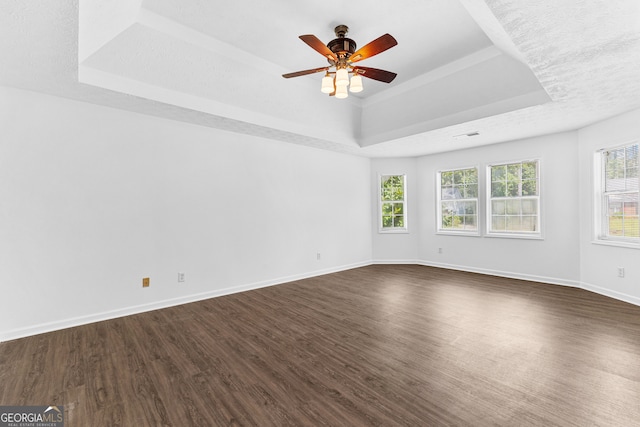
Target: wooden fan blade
<point>316,44</point>
<point>375,74</point>
<point>377,46</point>
<point>304,72</point>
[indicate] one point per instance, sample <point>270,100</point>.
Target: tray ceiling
<point>504,69</point>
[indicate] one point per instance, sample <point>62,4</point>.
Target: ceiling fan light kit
<point>341,92</point>
<point>341,53</point>
<point>327,84</point>
<point>356,84</point>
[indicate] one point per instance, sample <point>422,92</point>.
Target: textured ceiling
<point>506,69</point>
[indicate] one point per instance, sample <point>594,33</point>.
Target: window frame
<point>405,227</point>
<point>439,200</point>
<point>535,235</point>
<point>600,216</point>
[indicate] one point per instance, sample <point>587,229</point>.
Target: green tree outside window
<point>392,194</point>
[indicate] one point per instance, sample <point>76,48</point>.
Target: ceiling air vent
<point>466,135</point>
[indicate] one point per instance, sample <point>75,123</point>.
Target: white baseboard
<point>507,274</point>
<point>611,294</point>
<point>127,311</point>
<point>396,262</point>
<point>529,277</point>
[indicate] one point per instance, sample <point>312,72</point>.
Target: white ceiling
<point>508,69</point>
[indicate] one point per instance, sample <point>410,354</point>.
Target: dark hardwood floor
<point>379,345</point>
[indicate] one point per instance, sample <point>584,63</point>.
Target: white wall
<point>554,259</point>
<point>396,247</point>
<point>599,263</point>
<point>93,199</point>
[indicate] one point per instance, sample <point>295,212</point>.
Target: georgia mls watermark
<point>31,416</point>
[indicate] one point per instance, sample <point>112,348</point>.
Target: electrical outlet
<point>145,282</point>
<point>318,256</point>
<point>439,250</point>
<point>620,271</point>
<point>180,277</point>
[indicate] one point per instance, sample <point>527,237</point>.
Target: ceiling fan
<point>341,53</point>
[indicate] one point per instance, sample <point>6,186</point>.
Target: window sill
<point>516,236</point>
<point>458,233</point>
<point>616,243</point>
<point>393,231</point>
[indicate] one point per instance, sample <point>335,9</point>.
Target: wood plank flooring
<point>374,346</point>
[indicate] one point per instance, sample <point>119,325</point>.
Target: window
<point>458,201</point>
<point>393,212</point>
<point>619,194</point>
<point>514,199</point>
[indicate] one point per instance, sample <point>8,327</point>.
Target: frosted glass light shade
<point>342,77</point>
<point>341,91</point>
<point>327,84</point>
<point>356,84</point>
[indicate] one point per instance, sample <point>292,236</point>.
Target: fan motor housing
<point>342,46</point>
